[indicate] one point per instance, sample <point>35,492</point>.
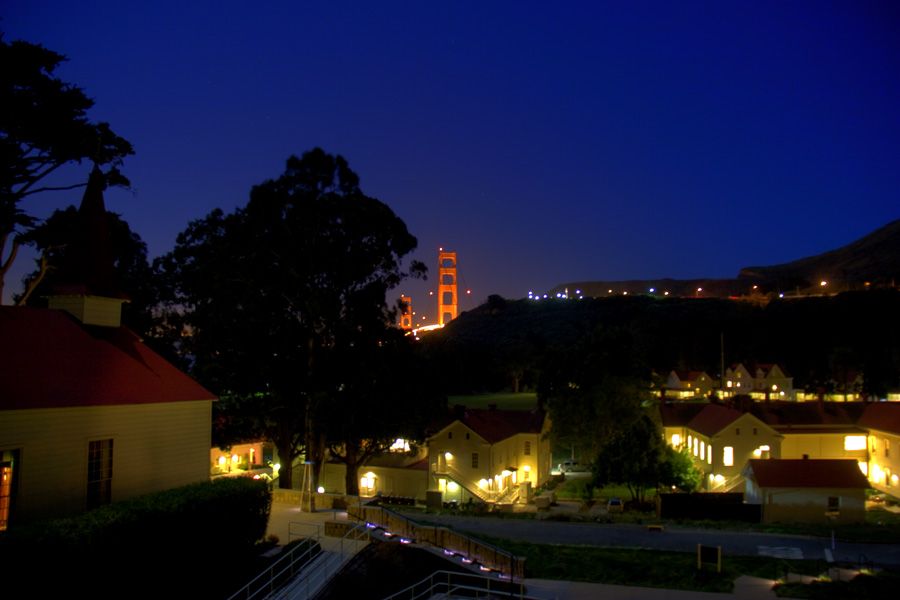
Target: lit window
<point>100,465</point>
<point>676,439</point>
<point>695,446</point>
<point>864,467</point>
<point>709,455</point>
<point>728,456</point>
<point>702,450</point>
<point>855,442</point>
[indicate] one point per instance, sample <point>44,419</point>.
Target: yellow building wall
<point>884,462</point>
<point>819,445</point>
<point>809,505</point>
<point>388,481</point>
<point>155,447</point>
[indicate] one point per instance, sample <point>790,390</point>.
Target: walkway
<point>288,522</point>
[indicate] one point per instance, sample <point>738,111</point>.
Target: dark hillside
<point>874,258</point>
<point>487,349</point>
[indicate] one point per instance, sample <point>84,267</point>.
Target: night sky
<point>543,143</point>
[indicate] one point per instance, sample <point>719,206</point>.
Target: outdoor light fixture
<point>447,455</point>
<point>320,489</point>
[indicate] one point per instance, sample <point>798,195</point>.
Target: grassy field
<point>523,401</point>
<point>647,568</point>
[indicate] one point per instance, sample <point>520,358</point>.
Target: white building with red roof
<point>809,491</point>
<point>89,414</point>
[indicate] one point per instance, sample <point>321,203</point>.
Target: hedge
<point>165,542</point>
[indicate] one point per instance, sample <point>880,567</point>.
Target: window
<point>474,460</point>
<point>728,456</point>
<point>754,431</point>
<point>737,431</point>
<point>527,448</point>
<point>887,448</point>
<point>702,450</point>
<point>873,444</point>
<point>467,435</point>
<point>100,465</point>
<point>695,446</point>
<point>834,503</point>
<point>854,442</point>
<point>449,435</point>
<point>709,455</point>
<point>8,460</point>
<point>676,439</point>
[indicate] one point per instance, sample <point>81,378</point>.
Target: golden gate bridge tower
<point>447,294</point>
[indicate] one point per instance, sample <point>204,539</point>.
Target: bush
<point>144,544</point>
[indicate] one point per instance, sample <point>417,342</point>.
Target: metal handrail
<point>265,582</point>
<point>411,529</point>
<point>290,569</point>
<point>449,582</point>
<point>323,568</point>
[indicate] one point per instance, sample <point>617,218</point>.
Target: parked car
<point>567,466</point>
<point>614,506</point>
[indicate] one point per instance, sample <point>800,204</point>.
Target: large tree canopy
<point>594,390</point>
<point>272,292</point>
<point>43,126</point>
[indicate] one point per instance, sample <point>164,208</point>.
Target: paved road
<point>634,536</point>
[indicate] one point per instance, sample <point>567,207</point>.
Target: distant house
<point>808,491</point>
<point>682,384</point>
<point>88,414</point>
<point>761,381</point>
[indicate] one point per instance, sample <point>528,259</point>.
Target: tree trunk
<point>284,445</point>
<point>352,462</point>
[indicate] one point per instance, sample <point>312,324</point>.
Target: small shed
<point>807,491</point>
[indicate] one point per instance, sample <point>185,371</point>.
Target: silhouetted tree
<point>269,293</point>
<point>43,126</point>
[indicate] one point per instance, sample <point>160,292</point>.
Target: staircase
<point>472,486</point>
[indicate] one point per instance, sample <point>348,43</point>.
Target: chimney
<point>87,287</point>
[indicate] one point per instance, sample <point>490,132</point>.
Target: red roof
<point>713,419</point>
<point>497,425</point>
<point>800,473</point>
<point>883,416</point>
<point>50,360</point>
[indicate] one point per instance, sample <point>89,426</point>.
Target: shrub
<point>145,543</point>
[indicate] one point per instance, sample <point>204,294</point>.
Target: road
<point>635,536</point>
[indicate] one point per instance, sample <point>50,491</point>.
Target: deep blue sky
<point>543,143</point>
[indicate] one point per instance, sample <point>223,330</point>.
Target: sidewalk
<point>289,522</point>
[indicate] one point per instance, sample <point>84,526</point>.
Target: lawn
<point>645,568</point>
<point>523,401</point>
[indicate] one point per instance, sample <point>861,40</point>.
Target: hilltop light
<point>652,290</point>
<point>824,283</point>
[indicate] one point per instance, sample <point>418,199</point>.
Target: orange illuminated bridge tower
<point>447,298</point>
